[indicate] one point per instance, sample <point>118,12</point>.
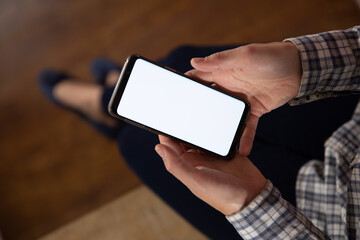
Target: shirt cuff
<point>249,222</point>
<point>269,216</point>
<point>329,64</point>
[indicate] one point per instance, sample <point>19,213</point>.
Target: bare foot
<point>84,97</point>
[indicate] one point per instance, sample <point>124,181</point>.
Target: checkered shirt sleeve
<point>269,216</point>
<point>330,64</point>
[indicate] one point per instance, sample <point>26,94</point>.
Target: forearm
<point>269,216</point>
<point>330,64</point>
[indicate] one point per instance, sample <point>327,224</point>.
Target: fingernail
<point>160,151</point>
<point>198,60</point>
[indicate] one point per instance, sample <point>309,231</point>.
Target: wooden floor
<point>53,167</point>
<point>134,215</point>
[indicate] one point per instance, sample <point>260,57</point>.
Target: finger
<point>196,157</point>
<point>185,147</point>
<point>211,77</point>
<point>223,79</point>
<point>181,169</point>
<point>172,143</point>
<point>247,138</point>
<point>202,76</point>
<point>217,61</point>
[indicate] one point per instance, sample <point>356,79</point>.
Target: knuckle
<point>250,50</point>
<point>217,56</point>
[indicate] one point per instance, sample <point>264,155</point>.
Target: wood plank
<point>136,215</point>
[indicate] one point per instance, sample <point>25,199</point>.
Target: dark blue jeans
<point>286,138</point>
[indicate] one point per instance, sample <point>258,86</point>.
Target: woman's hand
<point>266,75</point>
<point>226,185</point>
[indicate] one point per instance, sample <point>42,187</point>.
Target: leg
<point>85,98</point>
<point>137,147</point>
<point>80,98</point>
<point>304,129</point>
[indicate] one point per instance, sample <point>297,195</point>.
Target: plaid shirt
<point>328,193</point>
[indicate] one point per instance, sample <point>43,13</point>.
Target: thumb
<point>181,169</point>
<point>247,138</point>
<point>217,61</point>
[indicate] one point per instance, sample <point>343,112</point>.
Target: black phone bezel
<point>120,87</point>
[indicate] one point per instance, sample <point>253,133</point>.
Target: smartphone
<point>167,102</point>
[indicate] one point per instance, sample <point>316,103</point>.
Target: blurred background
<point>53,167</point>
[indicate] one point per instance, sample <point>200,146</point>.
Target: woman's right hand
<point>266,75</point>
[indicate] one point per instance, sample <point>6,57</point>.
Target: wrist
<point>252,199</point>
<point>296,67</point>
<point>245,197</point>
<point>254,191</point>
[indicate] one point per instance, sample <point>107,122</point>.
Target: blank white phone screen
<point>185,109</point>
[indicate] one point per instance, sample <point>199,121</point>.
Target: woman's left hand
<point>226,185</point>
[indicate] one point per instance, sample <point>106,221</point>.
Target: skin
<point>267,76</point>
<point>85,97</point>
